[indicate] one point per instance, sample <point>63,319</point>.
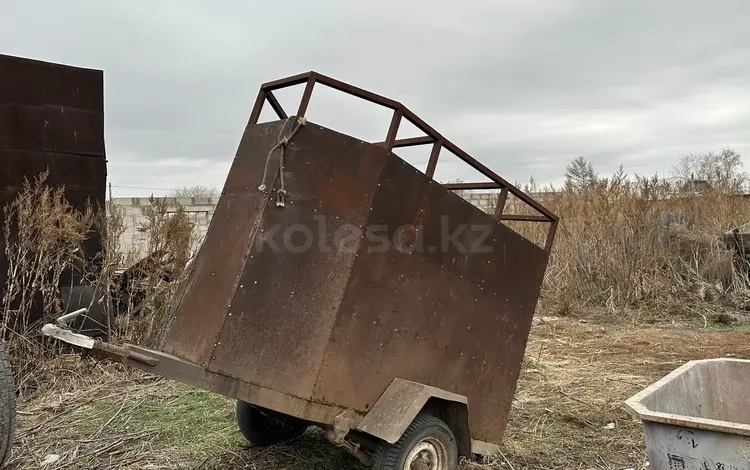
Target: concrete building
<point>200,210</point>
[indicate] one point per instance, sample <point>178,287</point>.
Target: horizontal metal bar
<point>410,142</point>
<point>358,92</point>
<point>495,177</point>
<point>286,82</point>
<point>466,186</point>
<point>525,218</point>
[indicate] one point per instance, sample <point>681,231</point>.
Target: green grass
<point>156,425</point>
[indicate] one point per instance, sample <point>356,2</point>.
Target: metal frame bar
<point>432,137</point>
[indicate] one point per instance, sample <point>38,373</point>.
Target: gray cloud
<point>523,86</point>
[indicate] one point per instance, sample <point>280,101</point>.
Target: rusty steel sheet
<point>200,314</point>
<point>51,129</point>
<point>329,179</point>
<point>310,303</point>
<point>286,304</point>
<point>39,83</point>
<point>426,315</point>
<point>369,271</point>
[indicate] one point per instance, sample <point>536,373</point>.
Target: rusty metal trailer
<point>339,286</point>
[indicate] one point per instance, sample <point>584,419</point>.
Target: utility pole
<point>110,192</point>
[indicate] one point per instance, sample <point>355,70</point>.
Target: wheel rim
<point>428,454</point>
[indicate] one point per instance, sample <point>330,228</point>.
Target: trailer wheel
<point>263,427</point>
<point>427,444</point>
<point>7,406</point>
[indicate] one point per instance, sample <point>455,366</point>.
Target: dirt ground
<point>567,413</point>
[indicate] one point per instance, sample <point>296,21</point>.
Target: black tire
<point>423,428</point>
<point>263,427</point>
<point>7,406</point>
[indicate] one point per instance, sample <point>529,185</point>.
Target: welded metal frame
<point>310,79</point>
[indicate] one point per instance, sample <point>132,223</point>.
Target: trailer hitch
<point>117,353</point>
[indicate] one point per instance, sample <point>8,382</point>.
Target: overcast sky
<point>524,86</point>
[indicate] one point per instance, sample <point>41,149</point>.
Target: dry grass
<point>103,416</point>
<point>576,374</point>
<point>613,253</point>
<point>641,244</point>
<point>44,246</point>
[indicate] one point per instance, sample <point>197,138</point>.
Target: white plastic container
<point>697,417</point>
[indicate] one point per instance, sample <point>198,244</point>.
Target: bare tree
<point>195,191</point>
<point>579,175</point>
<point>722,170</point>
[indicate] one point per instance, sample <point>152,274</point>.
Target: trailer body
<point>341,285</point>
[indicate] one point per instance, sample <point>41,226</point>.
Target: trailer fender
<point>403,400</point>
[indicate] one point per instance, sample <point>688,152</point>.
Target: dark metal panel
<point>398,200</point>
<point>473,245</point>
<point>72,171</point>
<point>282,313</point>
<point>51,128</point>
<point>338,171</point>
<point>300,261</point>
<point>37,83</point>
<point>200,314</point>
<point>21,126</point>
<point>405,317</point>
<point>70,130</point>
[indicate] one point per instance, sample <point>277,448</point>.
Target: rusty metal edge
<point>397,407</point>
